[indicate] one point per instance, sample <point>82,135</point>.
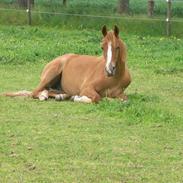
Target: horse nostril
<point>113,67</point>
<point>110,69</point>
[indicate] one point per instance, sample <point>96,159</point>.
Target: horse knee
<point>96,98</point>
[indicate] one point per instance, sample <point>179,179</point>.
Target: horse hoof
<point>72,98</point>
<point>43,96</point>
<point>59,97</point>
<point>83,99</point>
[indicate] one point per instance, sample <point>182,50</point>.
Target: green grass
<point>139,141</point>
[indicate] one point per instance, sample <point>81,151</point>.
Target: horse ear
<point>104,30</point>
<point>116,30</point>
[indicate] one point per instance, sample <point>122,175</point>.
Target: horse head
<point>112,47</point>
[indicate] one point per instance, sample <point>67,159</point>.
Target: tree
<point>65,2</point>
<point>123,6</point>
<point>23,3</point>
<point>150,8</point>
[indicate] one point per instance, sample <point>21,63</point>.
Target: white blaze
<point>109,56</point>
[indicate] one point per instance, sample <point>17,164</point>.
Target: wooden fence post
<point>150,8</point>
<point>65,3</point>
<point>123,6</point>
<point>168,17</point>
<point>29,12</point>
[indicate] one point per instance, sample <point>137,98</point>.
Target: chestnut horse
<point>85,78</point>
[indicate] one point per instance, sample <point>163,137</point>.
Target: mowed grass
<point>137,141</point>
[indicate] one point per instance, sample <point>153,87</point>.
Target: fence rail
<point>90,15</point>
<point>168,18</point>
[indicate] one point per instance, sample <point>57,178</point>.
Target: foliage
<point>103,6</point>
<point>137,22</point>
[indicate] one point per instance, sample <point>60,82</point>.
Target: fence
<point>167,11</point>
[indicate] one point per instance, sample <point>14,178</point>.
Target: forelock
<point>110,37</point>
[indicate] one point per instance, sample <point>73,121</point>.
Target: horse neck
<point>121,58</point>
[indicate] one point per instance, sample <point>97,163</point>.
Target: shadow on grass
<point>172,71</point>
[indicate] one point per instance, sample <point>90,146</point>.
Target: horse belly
<point>74,75</point>
<point>70,83</point>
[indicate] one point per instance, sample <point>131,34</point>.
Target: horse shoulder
<point>125,78</point>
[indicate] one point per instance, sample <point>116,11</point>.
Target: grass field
<point>139,141</point>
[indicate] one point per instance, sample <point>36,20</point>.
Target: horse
<point>85,78</point>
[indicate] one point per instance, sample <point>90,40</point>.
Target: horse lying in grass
<point>85,78</point>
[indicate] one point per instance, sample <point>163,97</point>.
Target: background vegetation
<point>100,6</point>
<point>136,22</point>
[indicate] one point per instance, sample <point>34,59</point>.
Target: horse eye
<point>102,48</point>
<point>117,48</point>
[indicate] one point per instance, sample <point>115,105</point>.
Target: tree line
<point>123,5</point>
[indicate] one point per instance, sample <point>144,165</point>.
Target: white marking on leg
<point>43,95</point>
<point>83,99</point>
<point>72,97</point>
<point>61,97</point>
<point>109,57</point>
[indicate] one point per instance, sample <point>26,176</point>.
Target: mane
<point>123,50</point>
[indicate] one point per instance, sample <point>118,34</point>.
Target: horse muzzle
<point>110,71</point>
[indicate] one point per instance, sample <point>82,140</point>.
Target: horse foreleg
<point>123,97</point>
<point>88,95</point>
<point>61,96</point>
<point>83,99</point>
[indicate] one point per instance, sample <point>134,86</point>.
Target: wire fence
<point>167,11</point>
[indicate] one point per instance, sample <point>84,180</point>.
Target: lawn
<point>138,141</point>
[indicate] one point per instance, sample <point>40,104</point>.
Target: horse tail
<point>22,93</point>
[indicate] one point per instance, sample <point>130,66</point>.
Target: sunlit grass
<point>137,141</point>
